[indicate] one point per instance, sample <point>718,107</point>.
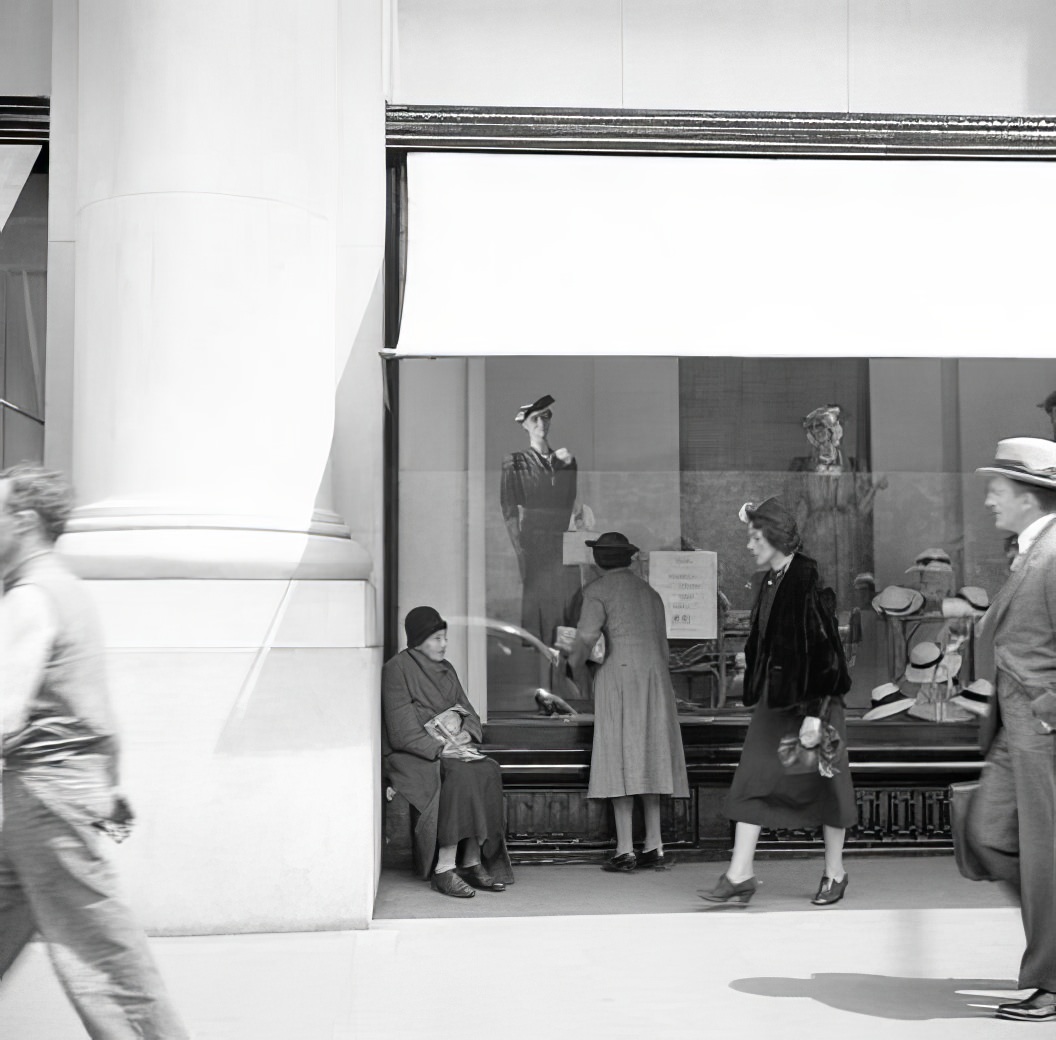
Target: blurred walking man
<point>60,779</point>
<point>1012,824</point>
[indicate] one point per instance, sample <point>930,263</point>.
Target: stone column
<point>211,329</point>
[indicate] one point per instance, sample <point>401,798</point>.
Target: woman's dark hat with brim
<point>611,546</point>
<point>1028,460</point>
<point>420,624</point>
<point>530,409</point>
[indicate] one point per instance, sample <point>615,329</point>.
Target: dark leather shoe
<point>478,877</point>
<point>726,891</point>
<point>1040,1006</point>
<point>653,858</point>
<point>830,891</point>
<point>625,864</point>
<point>450,884</point>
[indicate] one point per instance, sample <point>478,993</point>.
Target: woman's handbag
<point>795,758</point>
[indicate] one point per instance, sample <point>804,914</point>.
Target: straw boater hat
<point>897,601</point>
<point>1030,460</point>
<point>928,662</point>
<point>976,697</point>
<point>931,559</point>
<point>887,700</point>
<point>971,601</point>
<point>530,409</point>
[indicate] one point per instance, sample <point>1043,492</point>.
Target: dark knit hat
<point>420,624</point>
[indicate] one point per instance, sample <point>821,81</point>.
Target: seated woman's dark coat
<point>414,690</point>
<point>799,660</point>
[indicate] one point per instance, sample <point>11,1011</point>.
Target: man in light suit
<point>1011,824</point>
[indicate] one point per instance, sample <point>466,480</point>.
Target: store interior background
<point>629,421</point>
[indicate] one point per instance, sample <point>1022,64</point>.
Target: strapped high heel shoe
<point>726,891</point>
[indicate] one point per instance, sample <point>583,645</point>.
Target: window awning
<point>16,164</point>
<point>562,254</point>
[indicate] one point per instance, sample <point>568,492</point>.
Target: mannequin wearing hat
<point>429,739</point>
<point>537,496</point>
<point>1011,826</point>
<point>832,500</point>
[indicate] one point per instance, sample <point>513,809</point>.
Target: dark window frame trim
<point>837,135</point>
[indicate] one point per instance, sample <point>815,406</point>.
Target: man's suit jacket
<point>1023,616</point>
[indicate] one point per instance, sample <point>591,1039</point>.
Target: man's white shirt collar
<point>1029,535</point>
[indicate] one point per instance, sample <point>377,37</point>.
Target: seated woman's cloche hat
<point>420,624</point>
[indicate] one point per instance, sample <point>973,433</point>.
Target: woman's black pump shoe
<point>726,891</point>
<point>830,891</point>
<point>624,864</point>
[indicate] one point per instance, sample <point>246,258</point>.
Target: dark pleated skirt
<point>763,793</point>
<point>470,802</point>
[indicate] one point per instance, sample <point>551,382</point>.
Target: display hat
<point>612,542</point>
<point>955,606</point>
<point>935,559</point>
<point>897,601</point>
<point>887,700</point>
<point>420,624</point>
<point>976,597</point>
<point>976,697</point>
<point>530,409</point>
<point>928,662</point>
<point>1049,403</point>
<point>865,580</point>
<point>1030,460</point>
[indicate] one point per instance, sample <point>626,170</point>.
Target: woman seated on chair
<point>430,735</point>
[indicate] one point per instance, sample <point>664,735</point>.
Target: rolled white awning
<point>556,254</point>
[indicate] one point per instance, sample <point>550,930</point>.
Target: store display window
<point>509,466</point>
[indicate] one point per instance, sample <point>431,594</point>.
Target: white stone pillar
<point>211,175</point>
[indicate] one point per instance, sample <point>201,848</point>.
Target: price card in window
<point>688,585</point>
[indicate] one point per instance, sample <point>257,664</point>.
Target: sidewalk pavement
<point>848,970</point>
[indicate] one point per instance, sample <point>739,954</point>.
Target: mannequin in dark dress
<point>537,496</point>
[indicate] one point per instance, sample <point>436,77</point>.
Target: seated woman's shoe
<point>450,884</point>
<point>653,858</point>
<point>830,891</point>
<point>624,864</point>
<point>726,891</point>
<point>478,877</point>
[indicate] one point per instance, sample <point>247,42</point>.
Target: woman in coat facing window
<point>796,674</point>
<point>430,735</point>
<point>637,741</point>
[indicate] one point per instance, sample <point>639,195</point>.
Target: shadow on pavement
<point>884,996</point>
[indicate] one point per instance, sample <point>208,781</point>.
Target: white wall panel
<point>509,52</point>
<point>736,54</point>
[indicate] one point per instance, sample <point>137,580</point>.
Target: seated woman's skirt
<point>763,793</point>
<point>470,802</point>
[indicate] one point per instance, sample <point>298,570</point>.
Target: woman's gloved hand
<point>810,732</point>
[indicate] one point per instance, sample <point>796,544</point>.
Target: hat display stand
<point>934,700</point>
